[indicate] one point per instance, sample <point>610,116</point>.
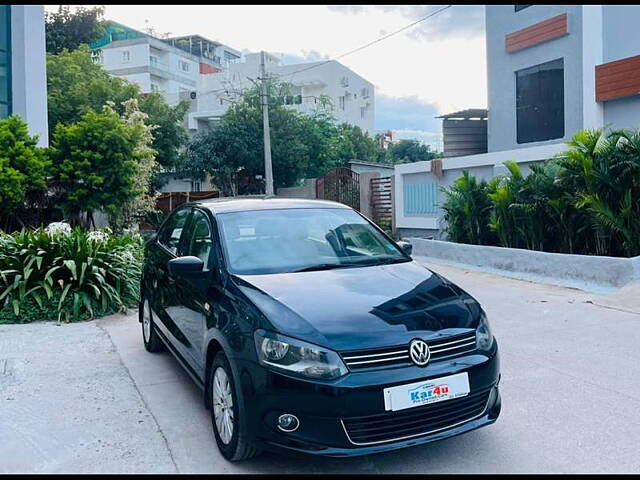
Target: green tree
<point>23,165</point>
<point>301,145</point>
<point>408,151</point>
<point>97,164</point>
<point>467,209</point>
<point>76,85</point>
<point>352,143</point>
<point>319,134</point>
<point>235,148</point>
<point>169,136</point>
<point>68,30</point>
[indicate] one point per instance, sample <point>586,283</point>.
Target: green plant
<point>103,162</point>
<point>67,29</point>
<point>76,85</point>
<point>77,274</point>
<point>585,200</point>
<point>466,210</point>
<point>23,165</point>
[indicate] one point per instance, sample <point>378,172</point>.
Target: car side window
<point>198,241</point>
<point>172,231</point>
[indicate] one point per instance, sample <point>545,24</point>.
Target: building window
<point>362,111</point>
<point>540,102</point>
<point>521,7</point>
<point>344,81</point>
<point>365,93</point>
<point>341,102</point>
<point>153,60</point>
<point>5,61</point>
<point>155,87</point>
<point>126,56</point>
<point>420,198</point>
<point>184,66</point>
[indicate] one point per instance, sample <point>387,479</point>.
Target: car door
<point>192,289</point>
<point>163,287</point>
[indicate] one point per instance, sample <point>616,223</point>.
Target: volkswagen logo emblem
<point>419,352</point>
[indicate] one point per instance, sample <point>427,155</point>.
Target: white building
<point>23,77</point>
<point>351,96</point>
<point>171,66</point>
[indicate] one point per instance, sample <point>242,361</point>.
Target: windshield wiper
<point>326,266</point>
<point>387,261</point>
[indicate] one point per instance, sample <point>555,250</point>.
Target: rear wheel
<point>152,342</point>
<point>227,415</point>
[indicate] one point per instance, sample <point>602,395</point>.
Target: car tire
<point>233,445</point>
<point>150,338</point>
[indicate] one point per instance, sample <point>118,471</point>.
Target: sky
<point>436,67</point>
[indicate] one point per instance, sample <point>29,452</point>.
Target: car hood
<point>363,307</point>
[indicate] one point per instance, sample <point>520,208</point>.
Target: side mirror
<point>405,246</point>
<point>184,265</point>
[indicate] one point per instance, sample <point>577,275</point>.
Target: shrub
<point>104,162</point>
<point>467,209</point>
<point>23,165</point>
<point>70,275</point>
<point>586,200</point>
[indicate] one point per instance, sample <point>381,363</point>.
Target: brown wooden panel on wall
<point>618,79</point>
<point>540,32</point>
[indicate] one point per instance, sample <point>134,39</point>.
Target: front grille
<point>417,421</point>
<point>440,349</point>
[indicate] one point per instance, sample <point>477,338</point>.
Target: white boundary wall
<point>586,272</point>
<point>493,160</point>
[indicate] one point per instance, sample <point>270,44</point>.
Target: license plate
<point>426,392</point>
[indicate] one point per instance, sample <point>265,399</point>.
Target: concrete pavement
<point>88,397</point>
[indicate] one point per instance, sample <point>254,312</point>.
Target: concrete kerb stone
<point>591,273</point>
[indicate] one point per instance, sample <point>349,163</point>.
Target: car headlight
<point>484,337</point>
<point>297,357</point>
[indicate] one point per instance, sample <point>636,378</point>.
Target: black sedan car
<point>310,330</point>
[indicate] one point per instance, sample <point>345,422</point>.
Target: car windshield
<point>304,239</point>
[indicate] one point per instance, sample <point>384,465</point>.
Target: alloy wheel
<point>146,321</point>
<point>222,405</point>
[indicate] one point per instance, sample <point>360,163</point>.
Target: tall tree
<point>409,150</point>
<point>75,85</point>
<point>301,146</point>
<point>98,163</point>
<point>352,143</point>
<point>169,136</point>
<point>67,29</point>
<point>23,165</point>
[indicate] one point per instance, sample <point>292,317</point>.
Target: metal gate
<point>340,185</point>
<point>381,201</point>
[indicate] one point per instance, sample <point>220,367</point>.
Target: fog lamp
<point>288,422</point>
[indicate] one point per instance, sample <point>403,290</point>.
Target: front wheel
<point>152,342</point>
<point>227,415</point>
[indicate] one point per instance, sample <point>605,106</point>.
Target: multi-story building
<point>23,78</point>
<point>349,96</point>
<point>171,66</point>
<point>552,71</point>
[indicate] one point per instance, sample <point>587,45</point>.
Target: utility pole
<point>264,100</point>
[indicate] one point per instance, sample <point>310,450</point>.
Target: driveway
<point>88,398</point>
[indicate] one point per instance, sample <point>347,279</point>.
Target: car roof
<point>261,202</point>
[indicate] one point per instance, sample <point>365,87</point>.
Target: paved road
<point>88,398</point>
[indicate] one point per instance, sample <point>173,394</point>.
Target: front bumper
<point>328,410</point>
